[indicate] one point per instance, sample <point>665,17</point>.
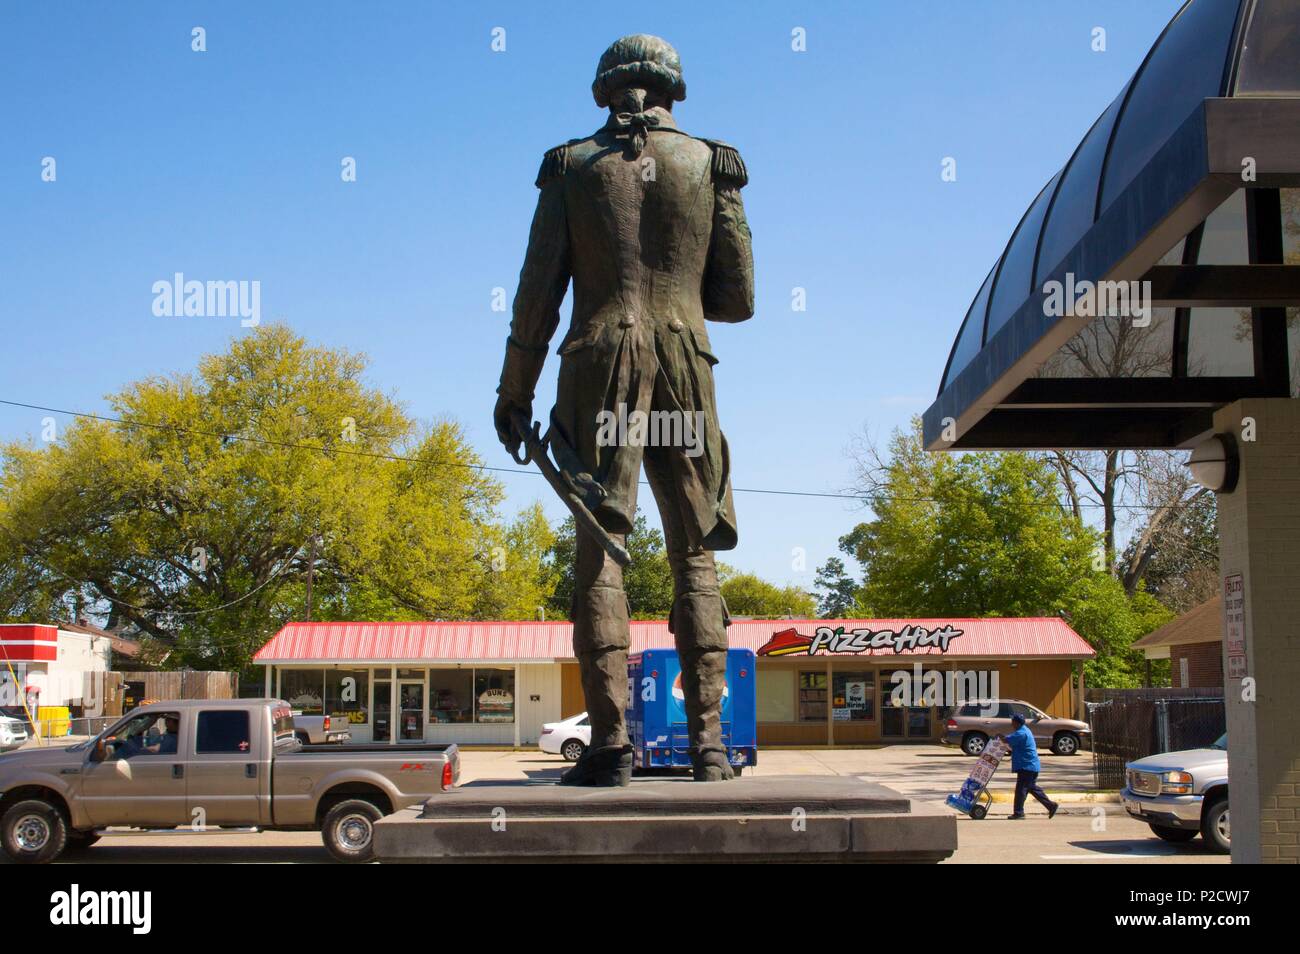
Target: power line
<point>148,609</point>
<point>377,455</point>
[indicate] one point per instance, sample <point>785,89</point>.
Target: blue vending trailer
<point>656,715</point>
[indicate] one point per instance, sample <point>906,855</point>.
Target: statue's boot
<point>704,674</point>
<point>607,761</point>
<point>609,766</point>
<point>710,765</point>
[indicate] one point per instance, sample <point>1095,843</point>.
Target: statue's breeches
<point>628,396</point>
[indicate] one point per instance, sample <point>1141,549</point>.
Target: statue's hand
<point>505,429</point>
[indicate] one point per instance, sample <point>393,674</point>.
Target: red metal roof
<point>1033,637</point>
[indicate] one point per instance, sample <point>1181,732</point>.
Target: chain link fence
<point>1132,724</point>
<point>61,731</point>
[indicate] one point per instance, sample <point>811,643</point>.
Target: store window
<point>494,695</point>
<point>775,690</point>
<point>451,696</point>
<point>854,698</point>
<point>11,691</point>
<point>346,694</point>
<point>812,696</point>
<point>304,690</point>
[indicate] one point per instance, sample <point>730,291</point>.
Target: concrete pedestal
<point>757,818</point>
<point>1259,556</point>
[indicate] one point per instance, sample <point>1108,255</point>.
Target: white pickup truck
<point>1182,794</point>
<point>210,764</point>
<point>321,729</point>
<point>13,732</point>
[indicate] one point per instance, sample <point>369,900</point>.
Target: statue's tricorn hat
<point>639,60</point>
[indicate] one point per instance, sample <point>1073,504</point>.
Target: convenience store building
<point>820,682</point>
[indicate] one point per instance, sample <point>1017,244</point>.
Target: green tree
<point>969,535</point>
<point>1181,569</point>
<point>750,595</point>
<point>648,580</point>
<point>985,534</point>
<point>199,518</point>
<point>837,592</point>
<point>1100,611</point>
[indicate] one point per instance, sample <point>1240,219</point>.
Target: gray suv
<point>971,726</point>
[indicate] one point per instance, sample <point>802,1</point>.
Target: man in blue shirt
<point>1024,762</point>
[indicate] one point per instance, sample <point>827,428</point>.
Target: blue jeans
<point>1027,784</point>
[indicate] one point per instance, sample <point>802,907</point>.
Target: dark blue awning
<point>1186,184</point>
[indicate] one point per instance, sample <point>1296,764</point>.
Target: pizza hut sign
<point>790,642</point>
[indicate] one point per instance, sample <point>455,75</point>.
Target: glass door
<point>383,728</point>
<point>891,720</point>
<point>918,722</point>
<point>411,717</point>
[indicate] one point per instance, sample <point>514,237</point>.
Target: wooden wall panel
<point>783,733</point>
<point>571,699</point>
<point>1044,683</point>
<point>856,733</point>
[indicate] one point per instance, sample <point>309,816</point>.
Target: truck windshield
<point>1221,742</point>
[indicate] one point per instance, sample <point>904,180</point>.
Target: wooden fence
<point>112,687</point>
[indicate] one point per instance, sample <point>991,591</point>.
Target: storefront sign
<point>790,642</point>
<point>1234,625</point>
<point>855,694</point>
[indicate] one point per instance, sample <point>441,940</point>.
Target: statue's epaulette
<point>554,163</point>
<point>728,167</point>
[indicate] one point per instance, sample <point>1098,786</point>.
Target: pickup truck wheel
<point>33,832</point>
<point>1215,827</point>
<point>1174,835</point>
<point>1067,743</point>
<point>349,830</point>
<point>973,743</point>
<point>572,750</point>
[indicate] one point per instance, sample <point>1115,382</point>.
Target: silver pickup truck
<point>1182,793</point>
<point>207,764</point>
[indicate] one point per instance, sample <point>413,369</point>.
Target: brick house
<point>1193,644</point>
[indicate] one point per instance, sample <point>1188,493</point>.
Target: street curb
<point>1065,798</point>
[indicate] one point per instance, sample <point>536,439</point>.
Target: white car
<point>569,738</point>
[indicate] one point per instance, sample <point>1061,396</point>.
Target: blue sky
<point>225,165</point>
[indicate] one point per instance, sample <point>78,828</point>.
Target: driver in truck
<point>166,744</point>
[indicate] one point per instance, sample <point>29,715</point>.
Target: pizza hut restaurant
<point>820,682</point>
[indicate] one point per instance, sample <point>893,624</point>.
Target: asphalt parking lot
<point>1083,832</point>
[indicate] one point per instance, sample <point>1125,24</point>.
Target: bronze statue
<point>648,223</point>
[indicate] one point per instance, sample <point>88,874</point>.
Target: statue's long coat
<point>656,243</point>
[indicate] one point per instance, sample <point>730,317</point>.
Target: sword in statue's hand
<point>572,488</point>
